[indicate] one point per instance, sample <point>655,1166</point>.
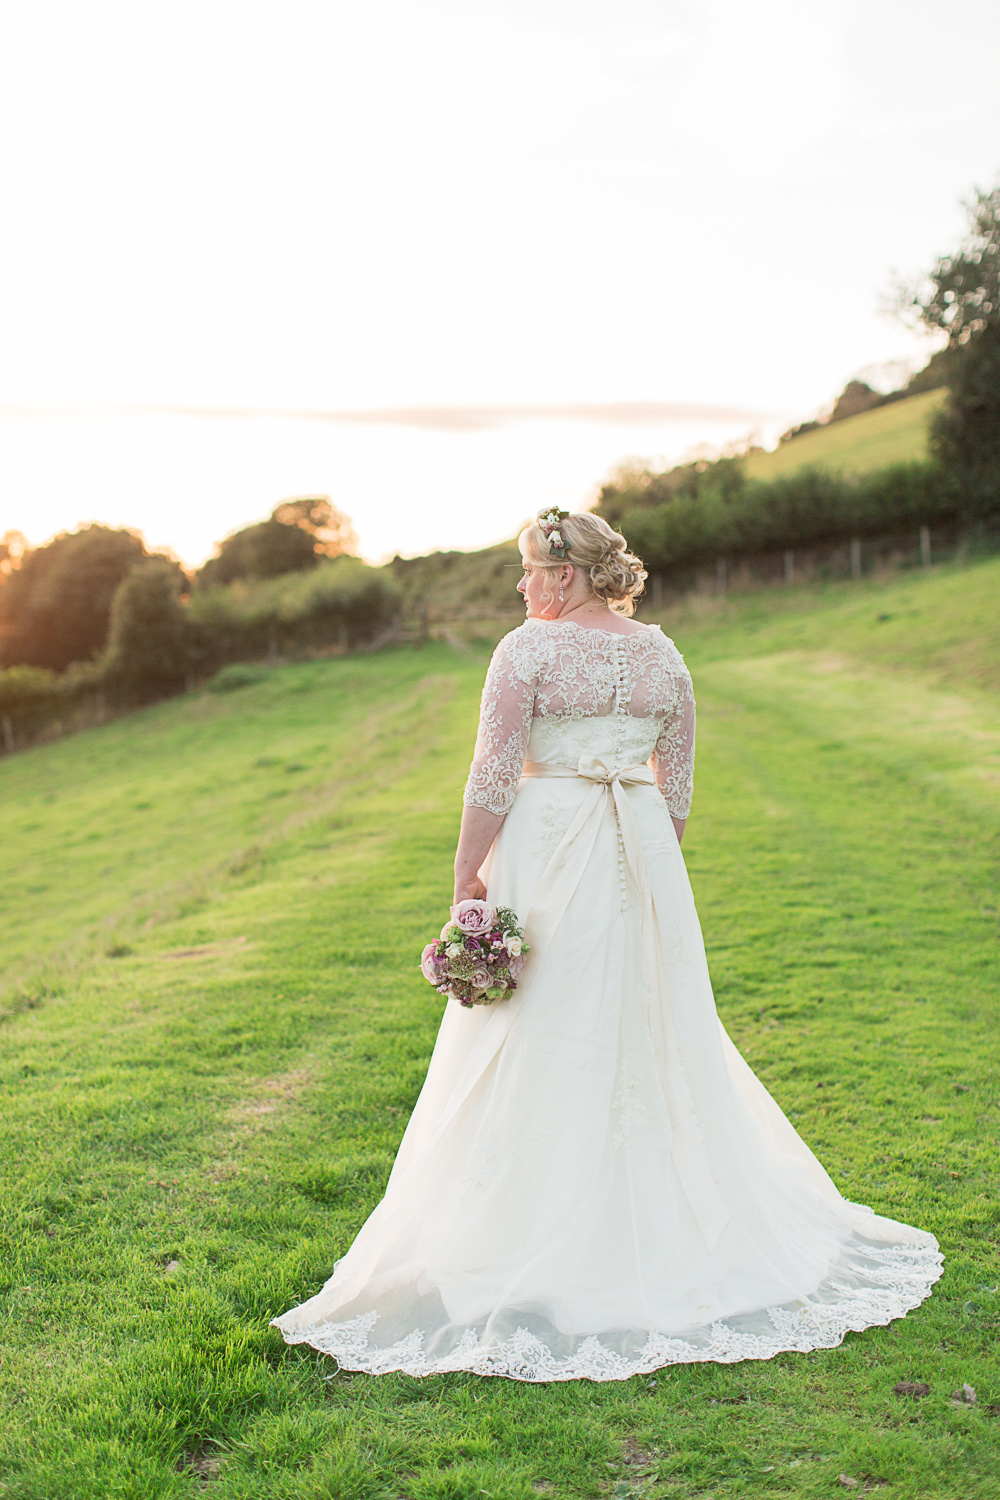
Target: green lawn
<point>215,1029</point>
<point>891,434</point>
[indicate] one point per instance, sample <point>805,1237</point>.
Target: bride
<point>593,1182</point>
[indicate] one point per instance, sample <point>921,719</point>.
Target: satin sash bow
<point>555,891</point>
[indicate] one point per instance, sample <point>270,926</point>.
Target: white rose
<point>454,950</point>
<point>513,946</point>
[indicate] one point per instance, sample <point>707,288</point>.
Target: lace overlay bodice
<point>556,682</point>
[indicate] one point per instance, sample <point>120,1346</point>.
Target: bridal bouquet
<point>478,956</point>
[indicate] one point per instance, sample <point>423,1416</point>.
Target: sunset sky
<point>409,254</point>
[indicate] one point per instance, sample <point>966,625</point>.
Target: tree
<point>12,549</point>
<point>332,531</point>
<point>55,606</point>
<point>265,550</point>
<point>857,396</point>
<point>965,437</point>
<point>152,645</point>
<point>293,538</point>
<point>961,299</point>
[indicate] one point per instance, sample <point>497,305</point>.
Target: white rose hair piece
<point>549,521</point>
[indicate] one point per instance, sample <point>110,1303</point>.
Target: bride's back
<point>590,673</point>
<point>562,673</point>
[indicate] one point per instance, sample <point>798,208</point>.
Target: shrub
<point>338,600</point>
<point>809,508</point>
<point>152,647</point>
<point>27,693</point>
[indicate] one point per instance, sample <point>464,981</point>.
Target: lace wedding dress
<point>593,1182</point>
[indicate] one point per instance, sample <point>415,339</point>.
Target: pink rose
<point>515,964</point>
<point>481,978</point>
<point>475,918</point>
<point>430,964</point>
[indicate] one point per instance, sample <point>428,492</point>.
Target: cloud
<point>434,418</point>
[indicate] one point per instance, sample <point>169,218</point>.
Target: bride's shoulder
<point>524,646</point>
<point>669,649</point>
<point>530,631</point>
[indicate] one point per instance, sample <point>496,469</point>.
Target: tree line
<point>721,514</point>
<point>698,512</point>
<point>93,611</point>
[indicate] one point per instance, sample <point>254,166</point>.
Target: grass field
<point>891,434</point>
<point>215,1029</point>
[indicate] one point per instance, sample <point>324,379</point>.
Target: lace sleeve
<point>673,758</point>
<point>504,722</point>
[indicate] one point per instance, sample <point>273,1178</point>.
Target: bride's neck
<point>591,606</point>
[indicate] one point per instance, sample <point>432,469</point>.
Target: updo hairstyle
<point>617,576</point>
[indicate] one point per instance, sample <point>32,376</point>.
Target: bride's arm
<point>673,758</point>
<point>479,828</point>
<point>504,722</point>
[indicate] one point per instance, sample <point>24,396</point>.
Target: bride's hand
<point>470,890</point>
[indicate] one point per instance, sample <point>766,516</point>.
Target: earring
<point>562,596</point>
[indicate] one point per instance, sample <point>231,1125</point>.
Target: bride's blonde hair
<point>617,576</point>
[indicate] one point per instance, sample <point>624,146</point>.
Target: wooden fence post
<point>925,546</point>
<point>855,557</point>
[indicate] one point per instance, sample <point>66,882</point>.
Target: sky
<point>447,261</point>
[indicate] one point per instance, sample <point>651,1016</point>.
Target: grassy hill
<point>215,1030</point>
<point>891,434</point>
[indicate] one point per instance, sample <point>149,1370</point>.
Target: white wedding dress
<point>593,1182</point>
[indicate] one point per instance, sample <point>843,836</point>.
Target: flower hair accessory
<point>549,521</point>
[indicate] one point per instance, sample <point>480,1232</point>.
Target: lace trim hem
<point>909,1274</point>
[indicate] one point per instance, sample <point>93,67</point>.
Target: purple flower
<point>481,978</point>
<point>430,964</point>
<point>475,918</point>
